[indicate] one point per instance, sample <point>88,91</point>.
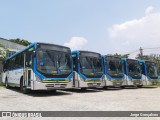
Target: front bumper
<point>38,85</point>
<point>132,83</point>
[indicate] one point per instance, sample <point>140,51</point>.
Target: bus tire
<point>122,87</point>
<point>6,83</point>
<point>53,91</point>
<point>139,86</point>
<point>23,88</point>
<point>105,87</point>
<point>83,89</point>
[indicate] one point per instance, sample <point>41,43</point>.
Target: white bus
<point>149,72</point>
<point>88,68</point>
<point>132,70</point>
<point>113,70</point>
<point>40,66</point>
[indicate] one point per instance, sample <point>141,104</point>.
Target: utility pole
<point>141,53</point>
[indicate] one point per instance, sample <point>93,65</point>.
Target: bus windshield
<point>51,63</point>
<point>91,64</point>
<point>114,67</point>
<point>151,69</point>
<point>134,69</point>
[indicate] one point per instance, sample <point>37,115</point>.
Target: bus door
<point>143,71</point>
<point>27,68</point>
<point>0,71</point>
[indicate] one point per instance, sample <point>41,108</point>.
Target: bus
<point>132,70</point>
<point>113,69</point>
<point>88,69</point>
<point>158,72</point>
<point>41,66</point>
<point>149,72</point>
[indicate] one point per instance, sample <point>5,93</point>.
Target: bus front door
<point>27,69</point>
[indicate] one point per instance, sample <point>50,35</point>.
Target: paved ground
<point>143,99</point>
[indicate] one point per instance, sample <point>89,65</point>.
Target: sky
<point>103,26</point>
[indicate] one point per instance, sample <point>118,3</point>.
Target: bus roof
<point>20,51</point>
<point>52,44</point>
<point>77,51</point>
<point>112,56</point>
<point>143,61</point>
<point>125,59</point>
<point>31,45</point>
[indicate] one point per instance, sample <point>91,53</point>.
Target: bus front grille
<point>94,84</point>
<point>56,85</point>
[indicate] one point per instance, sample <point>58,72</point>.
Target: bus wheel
<point>6,83</point>
<point>105,87</point>
<point>139,86</point>
<point>122,87</point>
<point>23,88</point>
<point>83,89</point>
<point>53,91</point>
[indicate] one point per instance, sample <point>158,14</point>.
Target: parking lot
<point>129,99</point>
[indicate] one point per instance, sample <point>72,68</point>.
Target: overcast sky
<point>104,26</point>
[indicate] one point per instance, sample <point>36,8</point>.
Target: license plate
<point>57,86</point>
<point>118,83</point>
<point>94,84</point>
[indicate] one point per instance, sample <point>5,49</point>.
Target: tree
<point>3,52</point>
<point>152,57</point>
<point>121,56</point>
<point>21,41</point>
<point>144,57</point>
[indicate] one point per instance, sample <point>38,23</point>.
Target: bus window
<point>12,63</point>
<point>29,61</point>
<point>142,68</point>
<point>19,62</point>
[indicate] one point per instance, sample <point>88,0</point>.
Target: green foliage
<point>2,46</point>
<point>121,56</point>
<point>3,51</point>
<point>158,85</point>
<point>1,84</point>
<point>144,57</point>
<point>151,57</point>
<point>21,41</point>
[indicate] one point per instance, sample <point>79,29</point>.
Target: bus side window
<point>19,61</point>
<point>5,66</point>
<point>11,65</point>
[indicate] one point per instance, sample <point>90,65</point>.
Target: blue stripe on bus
<point>109,77</point>
<point>131,78</point>
<point>33,44</point>
<point>149,78</point>
<point>85,78</point>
